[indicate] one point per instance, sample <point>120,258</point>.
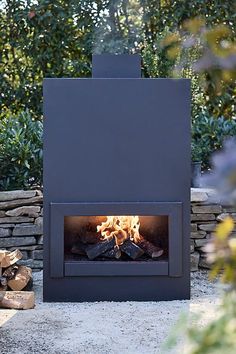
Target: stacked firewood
<point>93,246</point>
<point>15,282</point>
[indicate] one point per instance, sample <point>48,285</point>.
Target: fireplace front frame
<point>60,268</point>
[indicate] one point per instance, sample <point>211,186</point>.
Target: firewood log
<point>112,253</point>
<point>20,300</point>
<point>21,278</point>
<point>10,272</point>
<point>149,248</point>
<point>10,258</point>
<point>96,250</point>
<point>131,249</point>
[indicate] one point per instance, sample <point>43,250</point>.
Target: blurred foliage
<point>214,60</point>
<point>56,39</point>
<point>219,335</point>
<point>208,135</point>
<point>20,151</point>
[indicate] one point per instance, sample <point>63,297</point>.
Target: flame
<point>122,227</point>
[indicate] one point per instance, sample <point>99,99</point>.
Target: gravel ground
<point>101,327</point>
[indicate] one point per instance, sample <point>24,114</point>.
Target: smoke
<point>119,27</point>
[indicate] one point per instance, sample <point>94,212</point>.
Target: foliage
<point>218,337</point>
<point>208,135</point>
<point>20,151</point>
<point>215,61</point>
<point>56,39</point>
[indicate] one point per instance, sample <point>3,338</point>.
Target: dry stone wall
<point>21,224</point>
<point>205,215</point>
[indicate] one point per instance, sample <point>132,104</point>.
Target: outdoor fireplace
<point>116,185</point>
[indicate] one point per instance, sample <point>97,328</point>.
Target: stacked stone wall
<point>21,224</point>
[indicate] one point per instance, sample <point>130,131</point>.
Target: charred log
<point>96,250</point>
<point>149,248</point>
<point>112,253</point>
<point>131,249</point>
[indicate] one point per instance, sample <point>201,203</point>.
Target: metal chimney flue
<point>116,66</point>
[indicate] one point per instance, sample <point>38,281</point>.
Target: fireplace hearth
<point>116,185</point>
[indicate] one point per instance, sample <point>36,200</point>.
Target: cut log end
<point>19,300</point>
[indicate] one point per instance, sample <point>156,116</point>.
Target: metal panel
<point>56,243</point>
<point>116,66</point>
<point>111,269</point>
<point>117,140</point>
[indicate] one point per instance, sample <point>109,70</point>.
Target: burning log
<point>149,248</point>
<point>131,249</point>
<point>112,253</point>
<point>96,250</point>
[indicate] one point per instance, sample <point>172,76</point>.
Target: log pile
<point>92,246</point>
<point>15,282</point>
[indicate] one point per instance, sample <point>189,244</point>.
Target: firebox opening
<point>116,238</point>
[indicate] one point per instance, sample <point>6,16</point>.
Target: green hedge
<point>20,151</point>
<point>208,135</point>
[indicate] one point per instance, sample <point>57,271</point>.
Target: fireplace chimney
<point>116,66</point>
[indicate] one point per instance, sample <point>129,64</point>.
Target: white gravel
<point>101,327</point>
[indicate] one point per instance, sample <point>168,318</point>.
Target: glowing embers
<point>118,238</point>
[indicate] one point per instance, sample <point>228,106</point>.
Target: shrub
<point>20,151</point>
<point>208,135</point>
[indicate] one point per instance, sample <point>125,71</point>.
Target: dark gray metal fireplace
<point>116,175</point>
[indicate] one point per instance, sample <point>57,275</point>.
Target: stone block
<point>207,226</point>
<point>193,227</point>
<point>202,217</point>
<point>2,213</point>
<point>194,260</point>
<point>6,226</point>
<point>16,241</point>
<point>27,248</point>
<point>20,230</point>
<point>222,216</point>
<point>20,202</point>
<point>18,194</point>
<point>198,195</point>
<point>39,222</point>
<point>207,209</point>
<point>40,240</point>
<point>30,210</point>
<point>15,219</point>
<point>203,262</point>
<point>32,263</point>
<point>198,234</point>
<point>192,246</point>
<point>199,243</point>
<point>5,232</point>
<point>37,254</point>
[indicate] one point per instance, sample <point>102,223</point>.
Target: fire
<point>122,227</point>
